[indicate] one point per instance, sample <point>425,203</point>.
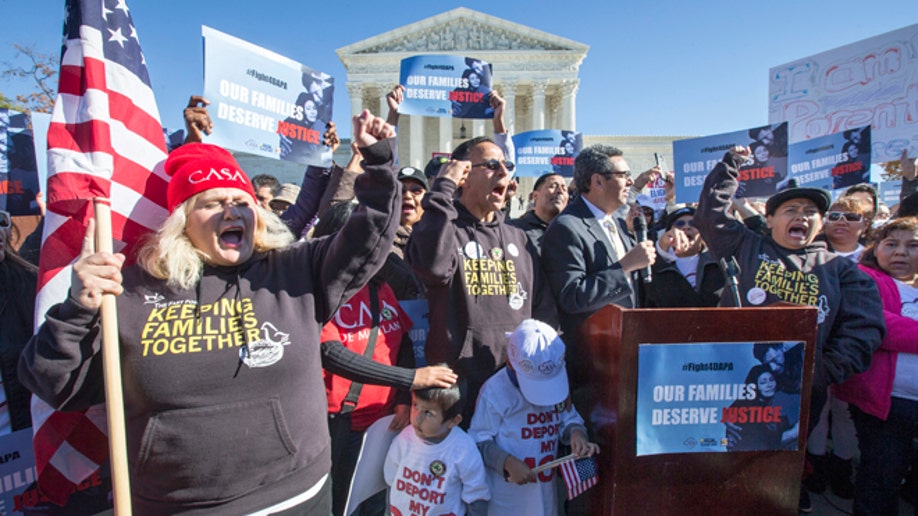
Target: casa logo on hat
<point>536,353</point>
<point>197,167</point>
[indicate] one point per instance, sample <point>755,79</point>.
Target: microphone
<point>640,231</point>
<point>732,271</point>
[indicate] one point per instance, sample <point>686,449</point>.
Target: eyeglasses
<point>414,189</point>
<point>495,164</point>
<point>5,220</point>
<point>684,224</point>
<point>835,216</point>
<point>625,174</point>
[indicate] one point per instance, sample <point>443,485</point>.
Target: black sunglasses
<point>5,220</point>
<point>836,216</point>
<point>495,164</point>
<point>684,223</point>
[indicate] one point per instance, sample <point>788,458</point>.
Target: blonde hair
<point>169,255</point>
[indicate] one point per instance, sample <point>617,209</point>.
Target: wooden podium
<point>757,482</point>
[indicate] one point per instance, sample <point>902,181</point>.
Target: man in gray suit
<point>588,254</point>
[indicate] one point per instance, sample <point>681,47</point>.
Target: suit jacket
<point>578,260</point>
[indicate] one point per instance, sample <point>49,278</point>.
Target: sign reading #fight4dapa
<point>446,86</point>
<point>833,161</point>
<point>264,103</point>
<point>718,397</point>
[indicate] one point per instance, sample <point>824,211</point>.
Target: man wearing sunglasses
<point>790,265</point>
<point>483,276</point>
<point>684,275</point>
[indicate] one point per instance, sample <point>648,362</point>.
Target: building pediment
<point>462,30</point>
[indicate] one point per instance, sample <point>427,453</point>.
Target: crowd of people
<point>266,319</point>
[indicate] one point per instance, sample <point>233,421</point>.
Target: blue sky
<point>653,68</point>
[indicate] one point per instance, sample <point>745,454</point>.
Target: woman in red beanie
<point>219,326</point>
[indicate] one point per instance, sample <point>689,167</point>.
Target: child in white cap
<point>523,410</point>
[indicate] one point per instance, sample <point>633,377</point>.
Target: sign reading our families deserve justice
<point>832,162</point>
<point>548,150</point>
<point>446,86</point>
<point>264,103</point>
<point>718,397</point>
<point>764,173</point>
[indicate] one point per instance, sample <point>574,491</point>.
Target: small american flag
<point>579,475</point>
<point>105,140</point>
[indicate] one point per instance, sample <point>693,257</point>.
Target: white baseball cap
<point>536,353</point>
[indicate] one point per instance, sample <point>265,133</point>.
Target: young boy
<point>433,467</point>
<point>522,412</point>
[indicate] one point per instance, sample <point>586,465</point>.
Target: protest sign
<point>264,103</point>
<point>442,85</point>
<point>870,82</point>
<point>718,397</point>
<point>419,313</point>
<point>889,192</point>
<point>834,161</point>
<point>18,167</point>
<point>548,150</point>
<point>764,174</point>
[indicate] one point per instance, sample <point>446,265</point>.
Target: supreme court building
<point>537,73</point>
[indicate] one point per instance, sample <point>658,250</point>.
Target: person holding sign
<point>789,265</point>
<point>219,327</point>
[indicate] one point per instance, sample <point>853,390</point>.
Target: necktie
<point>612,232</point>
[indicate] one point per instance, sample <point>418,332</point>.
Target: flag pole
<point>111,364</point>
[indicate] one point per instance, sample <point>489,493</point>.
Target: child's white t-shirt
<point>526,431</point>
<point>433,478</point>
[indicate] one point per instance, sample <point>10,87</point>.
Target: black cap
<point>674,215</point>
<point>817,195</point>
<point>415,174</point>
<point>433,166</point>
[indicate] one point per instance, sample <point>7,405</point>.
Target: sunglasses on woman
<point>495,164</point>
<point>835,216</point>
<point>5,220</point>
<point>684,224</point>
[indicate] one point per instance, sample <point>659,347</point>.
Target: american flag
<point>579,475</point>
<point>105,140</point>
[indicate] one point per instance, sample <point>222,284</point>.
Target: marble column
<point>416,156</point>
<point>355,93</point>
<point>508,90</point>
<point>569,104</point>
<point>478,128</point>
<point>538,105</point>
<point>383,104</point>
<point>445,134</point>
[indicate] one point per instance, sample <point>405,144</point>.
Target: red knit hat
<point>197,167</point>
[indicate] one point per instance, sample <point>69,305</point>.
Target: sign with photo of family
<point>718,397</point>
<point>18,166</point>
<point>764,173</point>
<point>264,103</point>
<point>446,86</point>
<point>548,150</point>
<point>832,162</point>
